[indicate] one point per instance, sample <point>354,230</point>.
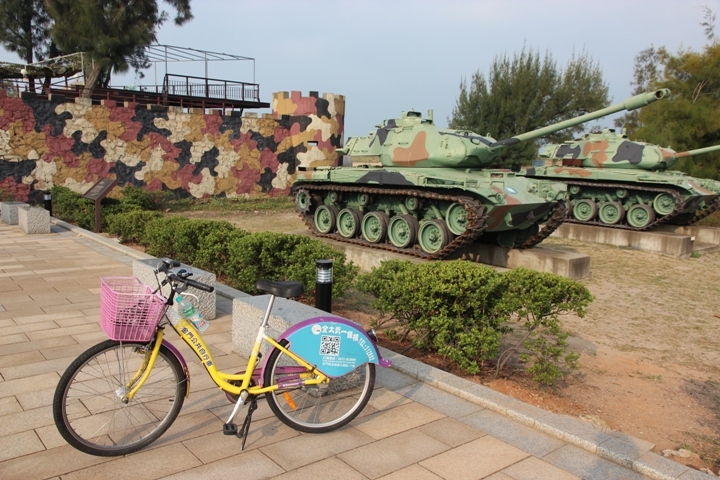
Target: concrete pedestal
<point>33,219</point>
<point>8,212</point>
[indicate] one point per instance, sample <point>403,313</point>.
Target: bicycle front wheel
<point>316,408</point>
<point>88,407</point>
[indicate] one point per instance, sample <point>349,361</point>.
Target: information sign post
<point>96,193</point>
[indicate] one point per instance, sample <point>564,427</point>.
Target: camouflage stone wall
<point>46,142</point>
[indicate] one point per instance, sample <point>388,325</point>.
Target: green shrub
<point>537,299</point>
<point>213,251</point>
<point>145,200</point>
<point>278,256</point>
<point>190,237</point>
<point>461,310</point>
<point>448,306</point>
<point>130,226</point>
<point>72,208</point>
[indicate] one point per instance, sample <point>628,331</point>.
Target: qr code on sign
<point>329,345</point>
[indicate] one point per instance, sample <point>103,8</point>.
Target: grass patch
<point>221,204</point>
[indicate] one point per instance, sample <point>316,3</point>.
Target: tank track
<point>559,215</point>
<point>679,205</point>
<point>475,227</point>
<point>713,207</point>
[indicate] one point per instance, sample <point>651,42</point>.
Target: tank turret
<point>610,149</point>
<point>411,141</point>
<point>425,191</point>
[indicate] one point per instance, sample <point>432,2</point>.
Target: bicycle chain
<point>679,205</point>
<point>475,227</point>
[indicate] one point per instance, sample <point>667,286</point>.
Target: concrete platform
<point>666,241</point>
<point>568,264</point>
<point>709,235</point>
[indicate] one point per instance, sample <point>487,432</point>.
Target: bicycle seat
<point>284,289</point>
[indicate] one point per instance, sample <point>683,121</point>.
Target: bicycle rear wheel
<point>87,405</point>
<point>316,408</point>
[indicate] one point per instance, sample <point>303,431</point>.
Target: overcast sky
<point>387,56</point>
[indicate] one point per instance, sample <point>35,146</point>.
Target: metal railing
<point>183,85</point>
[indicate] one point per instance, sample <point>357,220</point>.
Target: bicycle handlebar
<point>165,267</point>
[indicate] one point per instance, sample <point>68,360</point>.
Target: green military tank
<point>616,182</point>
<point>426,191</point>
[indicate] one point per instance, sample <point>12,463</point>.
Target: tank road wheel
<point>326,218</point>
<point>434,235</point>
<point>303,201</point>
<point>363,199</point>
<point>403,231</point>
<point>640,216</point>
<point>412,203</point>
<point>621,193</point>
<point>611,213</point>
<point>664,204</point>
<point>456,219</point>
<point>348,222</point>
<point>374,226</point>
<point>585,210</point>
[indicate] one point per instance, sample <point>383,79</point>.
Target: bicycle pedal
<point>229,429</point>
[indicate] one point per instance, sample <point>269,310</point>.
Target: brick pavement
<point>421,423</point>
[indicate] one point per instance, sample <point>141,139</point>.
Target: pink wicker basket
<point>129,311</point>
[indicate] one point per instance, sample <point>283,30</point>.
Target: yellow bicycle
<point>124,393</point>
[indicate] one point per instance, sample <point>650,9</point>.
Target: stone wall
<point>49,141</point>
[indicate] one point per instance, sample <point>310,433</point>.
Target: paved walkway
<point>421,423</point>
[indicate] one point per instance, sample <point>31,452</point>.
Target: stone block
<point>33,220</point>
<point>143,270</point>
<point>9,212</point>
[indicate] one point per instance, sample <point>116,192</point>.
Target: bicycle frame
<point>187,331</point>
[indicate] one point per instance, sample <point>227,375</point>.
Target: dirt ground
<point>650,344</point>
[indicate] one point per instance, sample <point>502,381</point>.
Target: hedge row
<point>237,257</point>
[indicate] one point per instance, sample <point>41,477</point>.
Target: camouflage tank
<point>615,182</point>
<point>427,191</point>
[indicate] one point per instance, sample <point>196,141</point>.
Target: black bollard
<point>47,197</point>
<point>323,285</point>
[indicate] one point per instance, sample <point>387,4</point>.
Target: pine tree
<point>112,33</point>
<point>25,30</point>
<point>691,118</point>
<point>525,93</point>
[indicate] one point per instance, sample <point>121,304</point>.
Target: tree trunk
<point>91,80</point>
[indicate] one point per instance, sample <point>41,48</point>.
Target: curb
<point>620,448</point>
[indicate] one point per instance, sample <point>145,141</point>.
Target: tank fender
<point>335,345</point>
<point>180,358</point>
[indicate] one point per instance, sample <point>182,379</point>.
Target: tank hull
<point>615,197</point>
<point>460,206</point>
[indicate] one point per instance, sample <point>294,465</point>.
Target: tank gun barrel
<point>697,151</point>
<point>629,104</point>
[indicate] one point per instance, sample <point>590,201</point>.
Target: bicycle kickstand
<point>243,433</point>
<point>230,428</point>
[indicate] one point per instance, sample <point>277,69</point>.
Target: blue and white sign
<point>335,345</point>
<point>511,190</point>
